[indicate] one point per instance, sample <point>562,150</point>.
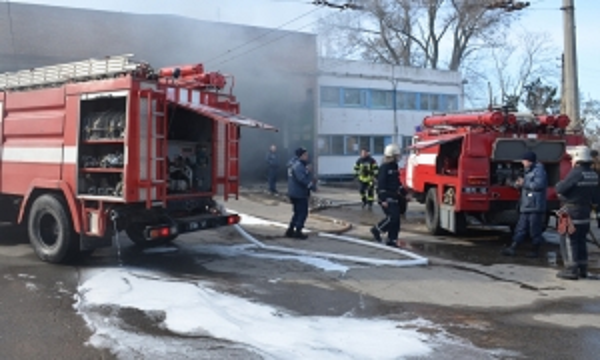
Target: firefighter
<point>391,196</point>
<point>273,167</point>
<point>300,184</point>
<point>596,168</point>
<point>579,193</point>
<point>532,205</point>
<point>365,170</point>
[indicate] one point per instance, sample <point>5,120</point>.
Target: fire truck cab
<point>92,148</point>
<point>463,166</point>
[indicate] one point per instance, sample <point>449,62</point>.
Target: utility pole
<point>571,82</point>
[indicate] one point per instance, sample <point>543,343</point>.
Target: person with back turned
<point>273,168</point>
<point>578,193</point>
<point>300,184</point>
<point>532,206</point>
<point>596,168</point>
<point>365,170</point>
<point>391,196</point>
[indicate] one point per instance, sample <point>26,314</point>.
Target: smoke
<point>274,83</point>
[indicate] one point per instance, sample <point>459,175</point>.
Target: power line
<point>267,43</point>
<point>263,35</point>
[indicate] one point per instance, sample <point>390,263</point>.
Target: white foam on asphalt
<point>251,251</point>
<point>194,309</point>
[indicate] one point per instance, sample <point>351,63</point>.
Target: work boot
<point>534,253</point>
<point>364,204</point>
<point>376,234</point>
<point>509,251</point>
<point>568,274</point>
<point>370,206</point>
<point>290,232</point>
<point>583,273</point>
<point>392,243</point>
<point>300,235</point>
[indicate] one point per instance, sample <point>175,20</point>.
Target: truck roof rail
<point>56,75</point>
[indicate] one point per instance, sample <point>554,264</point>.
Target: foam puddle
<point>194,309</point>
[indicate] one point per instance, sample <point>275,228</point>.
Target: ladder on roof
<point>68,72</point>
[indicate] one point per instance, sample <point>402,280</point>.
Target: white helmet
<point>391,150</point>
<point>581,154</point>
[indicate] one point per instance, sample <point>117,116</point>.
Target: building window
<point>365,143</point>
<point>424,104</point>
<point>382,99</point>
<point>434,102</point>
<point>352,145</point>
<point>407,101</point>
<point>337,145</point>
<point>324,145</point>
<point>406,142</point>
<point>378,145</point>
<point>353,97</point>
<point>451,102</point>
<point>330,95</point>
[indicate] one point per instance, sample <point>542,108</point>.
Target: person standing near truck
<point>300,184</point>
<point>391,196</point>
<point>272,169</point>
<point>365,170</point>
<point>596,168</point>
<point>532,206</point>
<point>579,193</point>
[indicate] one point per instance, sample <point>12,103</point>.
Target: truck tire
<point>135,233</point>
<point>51,231</point>
<point>432,212</point>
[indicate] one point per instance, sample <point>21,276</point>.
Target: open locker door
<point>226,143</point>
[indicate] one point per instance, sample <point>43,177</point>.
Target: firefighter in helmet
<point>579,193</point>
<point>532,205</point>
<point>391,196</point>
<point>366,170</point>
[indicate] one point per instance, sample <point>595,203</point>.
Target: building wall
<point>275,83</point>
<point>359,102</point>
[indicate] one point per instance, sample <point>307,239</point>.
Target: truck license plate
<point>194,226</point>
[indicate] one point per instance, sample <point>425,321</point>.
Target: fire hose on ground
<point>415,260</point>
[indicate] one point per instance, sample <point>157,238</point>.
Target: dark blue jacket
<point>299,179</point>
<point>272,160</point>
<point>533,191</point>
<point>579,191</point>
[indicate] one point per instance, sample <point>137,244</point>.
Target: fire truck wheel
<point>432,212</point>
<point>50,230</point>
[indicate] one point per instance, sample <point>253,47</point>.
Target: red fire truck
<point>91,148</point>
<point>462,166</point>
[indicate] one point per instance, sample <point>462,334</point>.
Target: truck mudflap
<point>179,226</point>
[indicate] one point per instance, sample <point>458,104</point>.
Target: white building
<point>365,105</point>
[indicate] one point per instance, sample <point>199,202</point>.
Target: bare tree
<point>530,56</point>
<point>590,120</point>
<point>415,32</point>
<point>541,98</point>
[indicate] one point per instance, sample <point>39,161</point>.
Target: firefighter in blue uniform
<point>391,196</point>
<point>532,206</point>
<point>579,193</point>
<point>365,171</point>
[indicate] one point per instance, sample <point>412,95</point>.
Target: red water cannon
<point>192,76</point>
<point>562,121</point>
<point>547,120</point>
<point>489,119</point>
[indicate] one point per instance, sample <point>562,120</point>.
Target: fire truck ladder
<point>156,147</point>
<point>57,75</point>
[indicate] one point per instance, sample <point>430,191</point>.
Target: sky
<point>541,16</point>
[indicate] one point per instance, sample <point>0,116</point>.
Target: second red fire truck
<point>461,166</point>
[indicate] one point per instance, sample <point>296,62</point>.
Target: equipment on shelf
<point>181,175</point>
<point>104,125</point>
<point>103,185</point>
<point>112,160</point>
